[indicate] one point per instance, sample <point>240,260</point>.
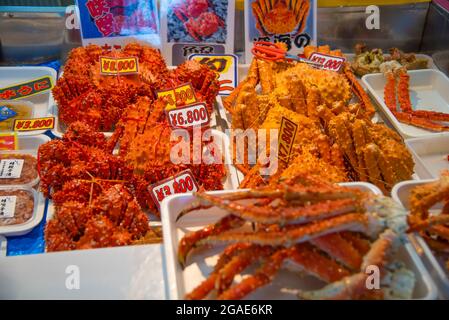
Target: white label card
<point>7,206</point>
<point>11,168</point>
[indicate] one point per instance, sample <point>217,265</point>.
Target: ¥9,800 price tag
<point>189,116</point>
<point>116,66</point>
<point>181,94</point>
<point>34,124</point>
<point>181,183</point>
<point>332,63</point>
<point>287,135</point>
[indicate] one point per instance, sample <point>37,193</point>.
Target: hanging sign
<point>290,22</point>
<point>200,26</point>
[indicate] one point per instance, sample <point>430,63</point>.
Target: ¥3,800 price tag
<point>34,124</point>
<point>287,135</point>
<point>189,116</point>
<point>181,183</point>
<point>328,62</point>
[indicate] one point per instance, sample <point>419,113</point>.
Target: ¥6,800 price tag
<point>34,124</point>
<point>189,116</point>
<point>181,183</point>
<point>115,66</point>
<point>328,62</point>
<point>183,94</point>
<point>287,135</point>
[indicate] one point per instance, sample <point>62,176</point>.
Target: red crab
<point>198,21</point>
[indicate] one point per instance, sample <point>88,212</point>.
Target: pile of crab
<point>330,232</point>
<point>84,94</point>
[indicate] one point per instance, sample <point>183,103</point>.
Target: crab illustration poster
<point>114,23</point>
<point>196,26</point>
<point>292,22</point>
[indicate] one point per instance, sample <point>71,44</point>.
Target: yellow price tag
<point>34,124</point>
<point>183,94</point>
<point>115,66</point>
<point>287,135</point>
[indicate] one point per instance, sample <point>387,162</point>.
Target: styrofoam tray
<point>200,264</point>
<point>400,194</point>
<point>430,154</point>
<point>38,213</point>
<point>429,90</point>
<point>42,102</point>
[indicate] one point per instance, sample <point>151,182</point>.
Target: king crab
<point>198,21</point>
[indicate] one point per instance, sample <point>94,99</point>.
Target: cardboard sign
<point>45,123</point>
<point>287,135</point>
<point>189,116</point>
<point>181,183</point>
<point>296,27</point>
<point>226,65</point>
<point>183,94</point>
<point>8,141</point>
<point>328,62</point>
<point>203,28</point>
<point>112,24</point>
<point>26,89</point>
<point>119,66</point>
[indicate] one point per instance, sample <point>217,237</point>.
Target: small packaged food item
<point>16,206</point>
<point>18,168</point>
<point>12,110</point>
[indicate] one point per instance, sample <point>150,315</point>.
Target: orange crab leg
<point>424,123</point>
<point>359,92</point>
<point>390,92</point>
<point>404,92</point>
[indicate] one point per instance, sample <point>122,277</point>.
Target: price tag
<point>26,89</point>
<point>287,135</point>
<point>328,62</point>
<point>189,116</point>
<point>226,65</point>
<point>7,206</point>
<point>11,168</point>
<point>181,183</point>
<point>34,124</point>
<point>183,94</point>
<point>115,66</point>
<point>8,141</point>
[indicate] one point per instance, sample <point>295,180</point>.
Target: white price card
<point>328,62</point>
<point>195,115</point>
<point>11,168</point>
<point>7,206</point>
<point>181,183</point>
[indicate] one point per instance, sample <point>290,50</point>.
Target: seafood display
<point>17,169</point>
<point>397,93</point>
<point>16,206</point>
<point>330,126</point>
<point>373,61</point>
<point>327,231</point>
<point>423,199</point>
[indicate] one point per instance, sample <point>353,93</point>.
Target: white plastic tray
<point>430,154</point>
<point>43,102</point>
<point>400,194</point>
<point>429,90</point>
<point>180,281</point>
<point>23,228</point>
<point>33,153</point>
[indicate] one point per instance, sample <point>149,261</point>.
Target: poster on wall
<point>196,26</point>
<point>292,22</point>
<point>112,24</point>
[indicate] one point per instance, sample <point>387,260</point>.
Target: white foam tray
<point>430,154</point>
<point>38,213</point>
<point>200,263</point>
<point>43,103</point>
<point>429,90</point>
<point>400,194</point>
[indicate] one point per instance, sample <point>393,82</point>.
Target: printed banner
<point>290,22</point>
<point>114,23</point>
<point>201,27</point>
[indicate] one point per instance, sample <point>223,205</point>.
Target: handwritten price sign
<point>115,66</point>
<point>226,65</point>
<point>189,116</point>
<point>328,62</point>
<point>34,124</point>
<point>287,135</point>
<point>181,183</point>
<point>183,94</point>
